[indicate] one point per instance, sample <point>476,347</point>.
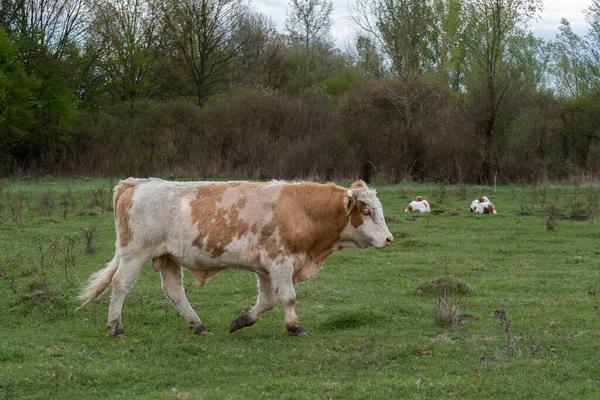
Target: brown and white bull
<point>482,205</point>
<point>418,205</point>
<point>279,230</point>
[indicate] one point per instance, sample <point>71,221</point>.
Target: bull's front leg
<point>282,280</point>
<point>266,301</point>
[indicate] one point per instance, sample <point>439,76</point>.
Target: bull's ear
<point>349,202</point>
<point>358,184</point>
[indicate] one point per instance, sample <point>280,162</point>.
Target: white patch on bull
<point>373,231</point>
<point>479,207</point>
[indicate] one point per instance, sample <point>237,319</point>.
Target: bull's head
<point>366,226</point>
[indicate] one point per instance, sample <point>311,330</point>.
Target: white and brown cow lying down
<point>418,205</point>
<point>281,231</point>
<point>483,205</point>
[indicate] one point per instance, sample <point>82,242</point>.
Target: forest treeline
<point>427,90</point>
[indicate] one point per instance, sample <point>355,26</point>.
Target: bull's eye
<point>367,213</point>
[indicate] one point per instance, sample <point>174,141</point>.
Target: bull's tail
<point>98,282</point>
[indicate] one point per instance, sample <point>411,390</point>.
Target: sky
<point>546,27</point>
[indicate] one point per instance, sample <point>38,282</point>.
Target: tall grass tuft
<point>448,311</point>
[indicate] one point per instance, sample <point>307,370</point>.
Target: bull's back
<point>152,213</point>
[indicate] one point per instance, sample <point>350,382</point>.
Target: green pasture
<point>374,334</point>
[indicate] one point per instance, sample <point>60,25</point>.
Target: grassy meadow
<point>371,313</point>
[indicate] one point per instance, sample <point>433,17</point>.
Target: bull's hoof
<point>298,330</point>
<point>201,330</point>
<point>118,332</point>
<point>241,321</point>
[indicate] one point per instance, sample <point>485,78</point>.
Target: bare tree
<point>401,29</point>
<point>197,37</point>
<point>52,24</point>
<point>309,21</point>
<point>260,50</point>
<point>494,36</point>
<point>126,34</point>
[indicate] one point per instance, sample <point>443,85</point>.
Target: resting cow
<point>482,205</point>
<point>418,205</point>
<point>281,231</point>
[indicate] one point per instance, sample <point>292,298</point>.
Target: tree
<point>369,60</point>
<point>567,67</point>
<point>308,22</point>
<point>260,51</point>
<point>592,54</point>
<point>446,41</point>
<point>401,29</point>
<point>197,40</point>
<point>17,99</point>
<point>50,24</point>
<point>125,37</point>
<point>493,37</point>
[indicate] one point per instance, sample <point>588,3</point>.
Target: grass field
<point>374,334</point>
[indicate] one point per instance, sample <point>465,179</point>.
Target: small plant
<point>577,207</point>
<point>90,239</point>
<point>512,346</point>
<point>38,288</point>
<point>2,197</point>
<point>47,252</point>
<point>462,192</point>
<point>448,311</point>
<point>66,203</point>
<point>47,204</point>
<point>98,196</point>
<point>590,207</point>
<point>552,213</point>
<point>15,207</point>
<point>443,192</point>
<point>525,204</point>
<point>67,246</point>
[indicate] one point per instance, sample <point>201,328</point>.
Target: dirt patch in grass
<point>436,286</point>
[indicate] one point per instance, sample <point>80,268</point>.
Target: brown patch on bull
<point>410,208</point>
<point>481,199</point>
<point>203,275</point>
<point>356,218</point>
<point>417,210</point>
<point>122,202</point>
<point>489,209</point>
<point>310,218</point>
<point>218,226</point>
<point>472,209</point>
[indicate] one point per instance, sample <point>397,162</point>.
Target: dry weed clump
<point>449,305</point>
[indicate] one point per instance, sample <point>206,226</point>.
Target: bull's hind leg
<point>122,281</point>
<point>266,301</point>
<point>171,276</point>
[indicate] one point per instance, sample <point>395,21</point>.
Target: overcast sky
<point>546,27</point>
